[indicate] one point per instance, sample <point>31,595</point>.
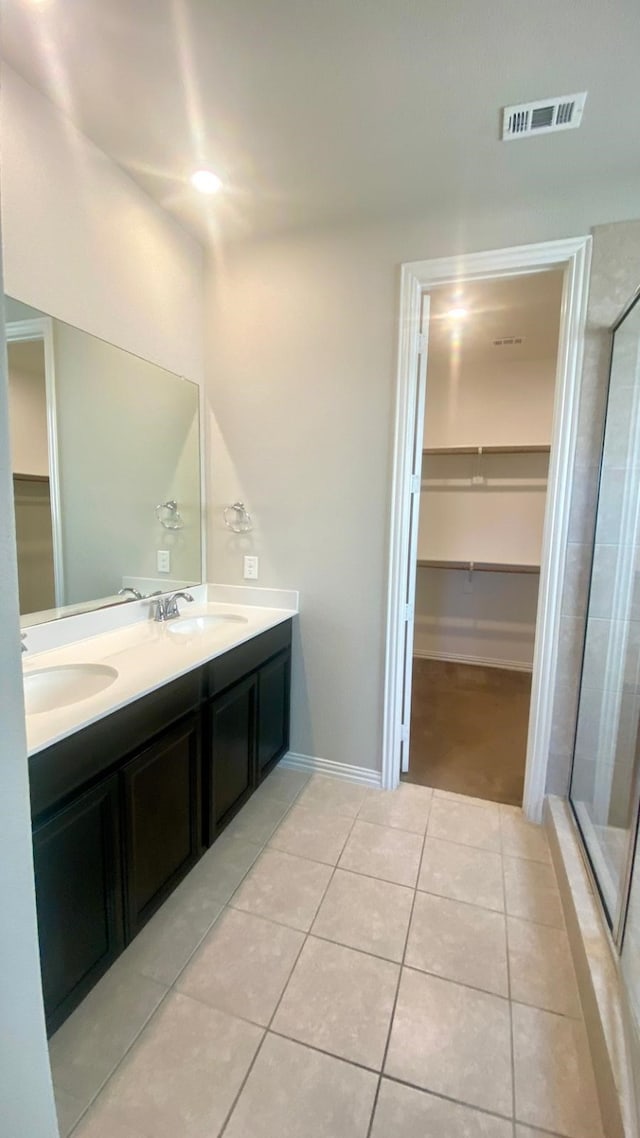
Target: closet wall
<point>488,419</point>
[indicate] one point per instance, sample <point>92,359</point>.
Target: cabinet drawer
<point>233,665</point>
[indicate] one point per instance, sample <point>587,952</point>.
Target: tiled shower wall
<point>615,275</point>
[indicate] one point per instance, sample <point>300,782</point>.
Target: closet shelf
<point>30,477</point>
<point>478,566</point>
<point>488,450</point>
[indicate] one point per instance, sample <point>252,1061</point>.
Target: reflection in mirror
<point>99,439</point>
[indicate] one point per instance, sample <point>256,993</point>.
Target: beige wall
<point>301,372</point>
<point>82,242</point>
<point>26,1093</point>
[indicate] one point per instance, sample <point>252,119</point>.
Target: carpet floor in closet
<point>469,729</point>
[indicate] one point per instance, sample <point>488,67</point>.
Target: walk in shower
<point>605,781</point>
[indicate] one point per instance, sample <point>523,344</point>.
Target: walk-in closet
<point>491,371</point>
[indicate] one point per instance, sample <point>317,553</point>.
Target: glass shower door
<point>604,783</point>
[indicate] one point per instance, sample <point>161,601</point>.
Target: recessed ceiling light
<point>206,182</point>
<point>457,313</point>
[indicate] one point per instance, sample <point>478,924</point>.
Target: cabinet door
<point>79,897</point>
<point>232,725</point>
<point>161,819</point>
<point>274,682</point>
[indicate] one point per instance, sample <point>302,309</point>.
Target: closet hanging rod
<point>478,566</point>
<point>488,450</point>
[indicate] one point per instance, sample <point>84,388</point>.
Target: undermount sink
<point>47,689</point>
<point>197,625</point>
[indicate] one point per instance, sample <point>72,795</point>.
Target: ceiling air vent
<point>543,117</point>
<point>508,341</point>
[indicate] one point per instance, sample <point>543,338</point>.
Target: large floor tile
<point>242,966</point>
<point>381,851</point>
<point>284,888</point>
<point>294,1092</point>
<point>223,866</point>
<point>521,838</point>
<point>340,1001</point>
<point>257,819</point>
<point>531,892</point>
<point>181,1077</point>
<point>555,1087</point>
<point>96,1125</point>
<point>466,799</point>
<point>405,1112</point>
<point>459,942</point>
<point>165,944</point>
<point>313,833</point>
<point>283,783</point>
<point>68,1110</point>
<point>89,1045</point>
<point>365,913</point>
<point>334,794</point>
<point>462,873</point>
<point>406,807</point>
<point>452,1040</point>
<point>469,825</point>
<point>541,967</point>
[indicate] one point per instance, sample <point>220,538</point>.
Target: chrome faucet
<point>167,607</point>
<point>135,595</point>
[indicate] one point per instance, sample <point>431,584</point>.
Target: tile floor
<point>343,963</point>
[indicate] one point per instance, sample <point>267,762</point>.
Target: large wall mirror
<point>106,469</point>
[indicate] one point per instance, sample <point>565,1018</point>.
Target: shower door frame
<point>616,920</point>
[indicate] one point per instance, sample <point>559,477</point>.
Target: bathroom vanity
<point>126,804</point>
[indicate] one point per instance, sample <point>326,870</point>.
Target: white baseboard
<point>480,661</point>
<point>315,765</point>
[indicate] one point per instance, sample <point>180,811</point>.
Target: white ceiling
<point>324,111</point>
<point>526,307</point>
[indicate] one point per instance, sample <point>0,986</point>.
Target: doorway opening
<point>562,267</point>
<point>486,442</point>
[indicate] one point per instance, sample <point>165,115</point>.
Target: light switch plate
<point>163,561</point>
<point>251,568</point>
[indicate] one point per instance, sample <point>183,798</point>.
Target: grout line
<point>400,971</point>
<point>509,989</point>
<point>281,997</point>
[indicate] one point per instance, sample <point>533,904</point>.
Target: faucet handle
<point>172,609</point>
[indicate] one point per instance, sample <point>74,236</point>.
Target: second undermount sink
<point>47,689</point>
<point>197,625</point>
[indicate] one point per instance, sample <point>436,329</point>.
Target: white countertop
<point>147,655</point>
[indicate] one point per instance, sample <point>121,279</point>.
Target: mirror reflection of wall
<point>30,461</point>
<point>100,438</point>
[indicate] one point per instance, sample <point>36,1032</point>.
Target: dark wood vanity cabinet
<point>78,876</point>
<point>232,744</point>
<point>123,809</point>
<point>161,819</point>
<point>274,686</point>
<point>248,721</point>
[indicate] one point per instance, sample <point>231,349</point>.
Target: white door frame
<point>574,256</point>
<point>41,328</point>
